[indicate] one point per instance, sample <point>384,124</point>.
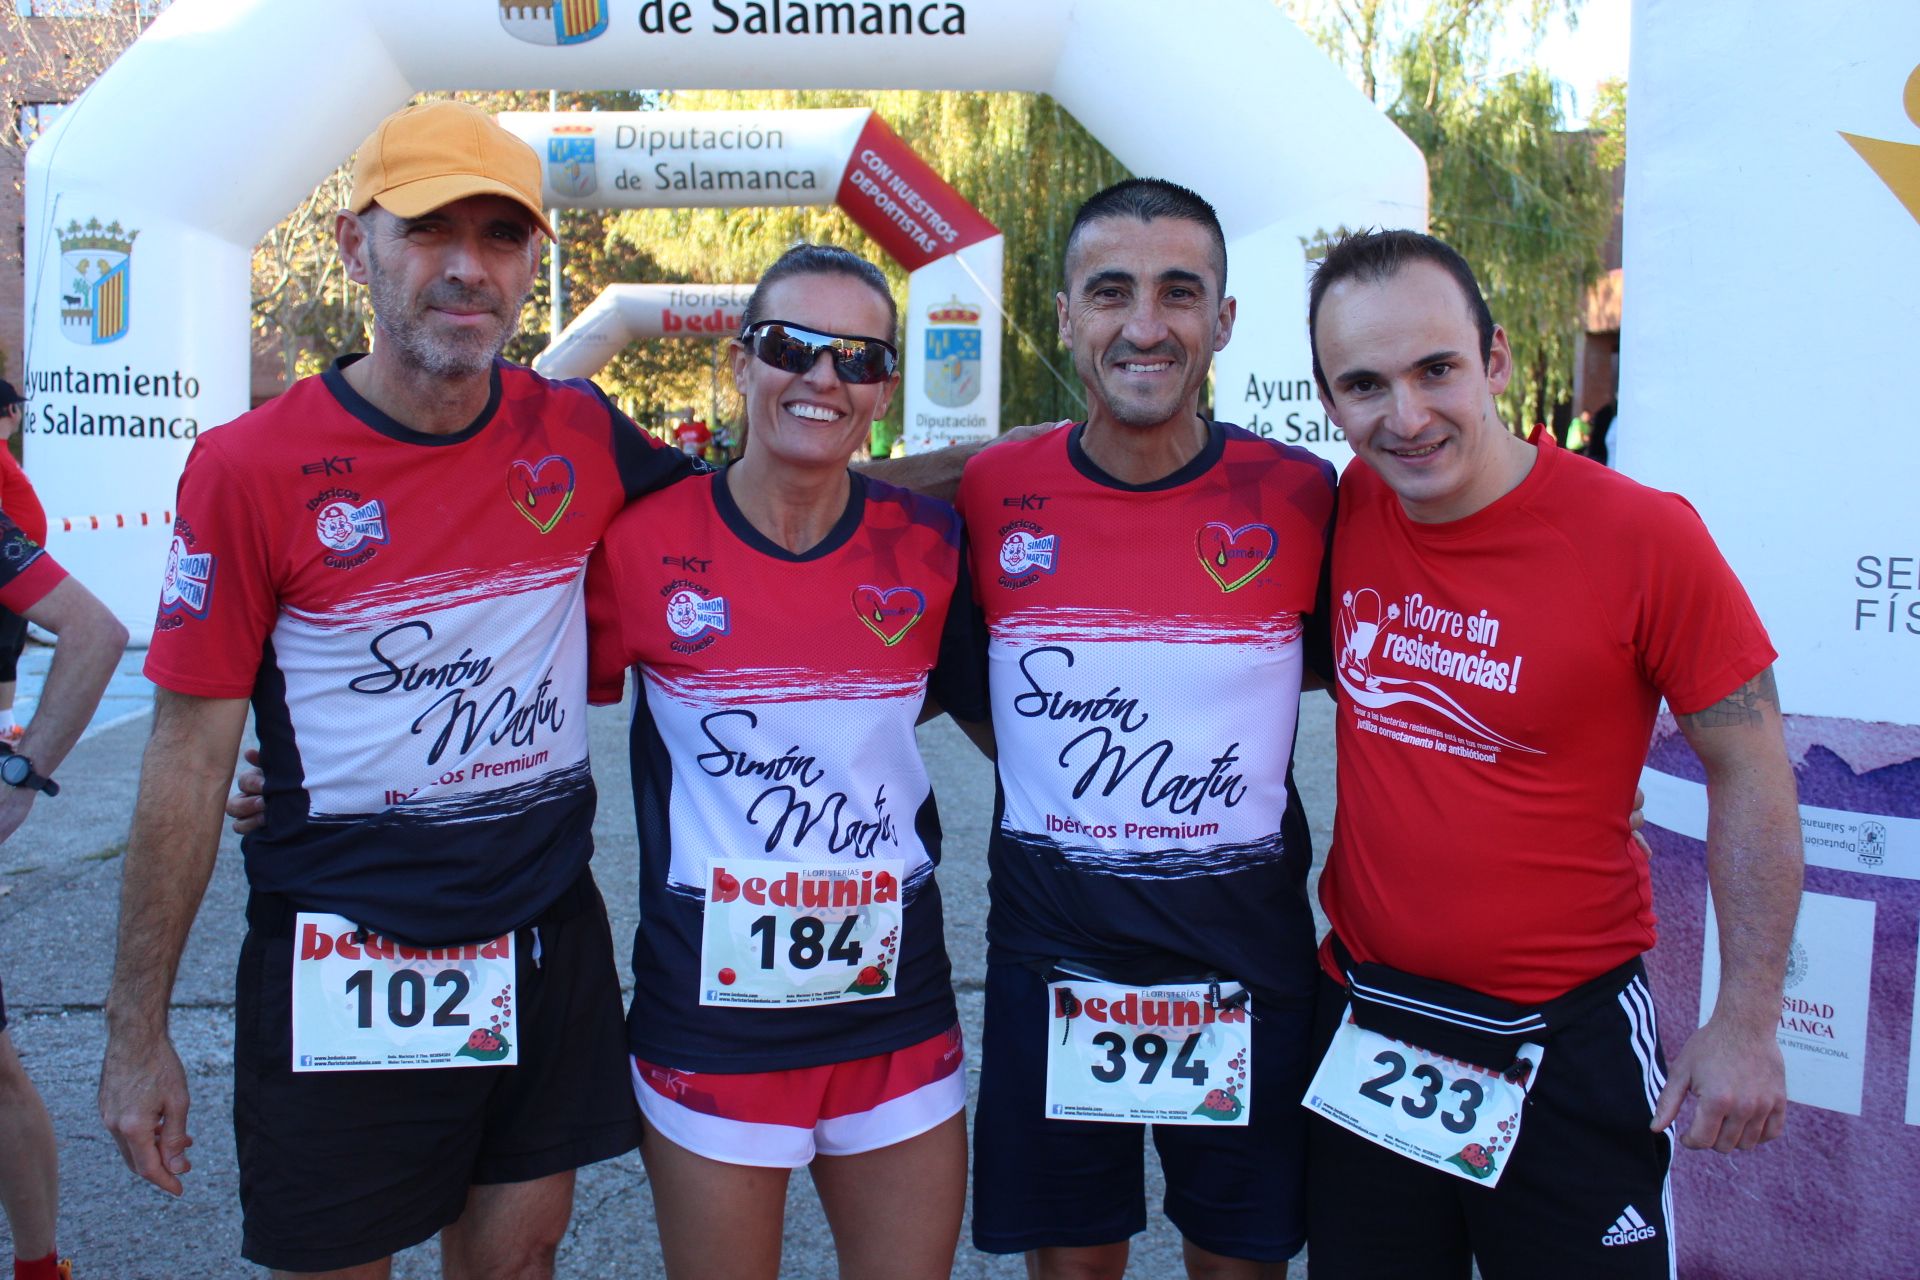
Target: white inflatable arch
<point>144,201</point>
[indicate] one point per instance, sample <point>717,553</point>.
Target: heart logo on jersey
<point>889,612</point>
<point>1232,557</point>
<point>541,491</point>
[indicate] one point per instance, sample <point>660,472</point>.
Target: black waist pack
<point>1460,1022</point>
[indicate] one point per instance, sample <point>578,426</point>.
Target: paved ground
<point>59,882</point>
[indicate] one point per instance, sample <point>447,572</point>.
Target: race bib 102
<point>1155,1055</point>
<point>1447,1114</point>
<point>778,934</point>
<point>362,1002</point>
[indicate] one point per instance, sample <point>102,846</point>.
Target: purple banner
<point>1837,1195</point>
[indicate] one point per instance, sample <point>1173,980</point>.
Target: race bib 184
<point>1447,1114</point>
<point>780,934</point>
<point>362,1002</point>
<point>1154,1055</point>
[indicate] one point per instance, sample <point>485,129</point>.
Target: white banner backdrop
<point>1773,233</point>
<point>682,159</point>
<point>1226,96</point>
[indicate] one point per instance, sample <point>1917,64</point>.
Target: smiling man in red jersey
<point>1508,617</point>
<point>1144,577</point>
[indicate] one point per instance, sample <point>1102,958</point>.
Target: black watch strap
<point>32,779</point>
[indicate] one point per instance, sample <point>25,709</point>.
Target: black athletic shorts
<point>1584,1196</point>
<point>13,638</point>
<point>343,1168</point>
<point>1041,1183</point>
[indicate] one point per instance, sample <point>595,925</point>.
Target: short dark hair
<point>9,396</point>
<point>805,259</point>
<point>1380,255</point>
<point>1145,199</point>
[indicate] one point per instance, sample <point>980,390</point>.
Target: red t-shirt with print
<point>1498,681</point>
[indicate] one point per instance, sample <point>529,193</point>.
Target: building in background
<point>50,51</point>
<point>1596,369</point>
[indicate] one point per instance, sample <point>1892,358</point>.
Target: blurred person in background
<point>22,506</point>
<point>88,642</point>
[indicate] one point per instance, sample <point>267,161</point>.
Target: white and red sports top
<point>405,610</point>
<point>1144,665</point>
<point>777,699</point>
<point>1498,681</point>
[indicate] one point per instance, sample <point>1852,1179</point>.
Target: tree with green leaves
<point>1526,202</point>
<point>305,310</point>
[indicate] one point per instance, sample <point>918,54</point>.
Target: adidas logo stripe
<point>1628,1228</point>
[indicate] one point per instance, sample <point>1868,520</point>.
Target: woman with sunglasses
<point>785,619</point>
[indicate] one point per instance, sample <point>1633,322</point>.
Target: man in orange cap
<point>386,560</point>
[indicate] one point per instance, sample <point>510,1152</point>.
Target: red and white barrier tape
<point>138,519</point>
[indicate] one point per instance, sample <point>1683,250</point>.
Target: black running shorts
<point>1039,1182</point>
<point>1584,1195</point>
<point>13,639</point>
<point>343,1168</point>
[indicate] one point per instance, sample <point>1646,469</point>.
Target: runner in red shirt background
<point>22,506</point>
<point>88,642</point>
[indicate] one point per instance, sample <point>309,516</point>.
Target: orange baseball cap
<point>427,156</point>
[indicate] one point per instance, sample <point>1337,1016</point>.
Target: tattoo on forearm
<point>1744,705</point>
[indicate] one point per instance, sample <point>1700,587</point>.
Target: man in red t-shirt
<point>22,506</point>
<point>1508,617</point>
<point>88,642</point>
<point>692,436</point>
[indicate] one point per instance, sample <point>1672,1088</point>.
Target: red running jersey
<point>405,610</point>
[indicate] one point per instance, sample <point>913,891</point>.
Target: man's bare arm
<point>936,473</point>
<point>1754,865</point>
<point>89,641</point>
<point>176,831</point>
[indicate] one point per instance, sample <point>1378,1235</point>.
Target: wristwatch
<point>17,771</point>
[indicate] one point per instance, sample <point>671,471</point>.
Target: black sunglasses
<point>792,349</point>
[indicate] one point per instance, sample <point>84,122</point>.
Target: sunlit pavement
<point>129,694</point>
